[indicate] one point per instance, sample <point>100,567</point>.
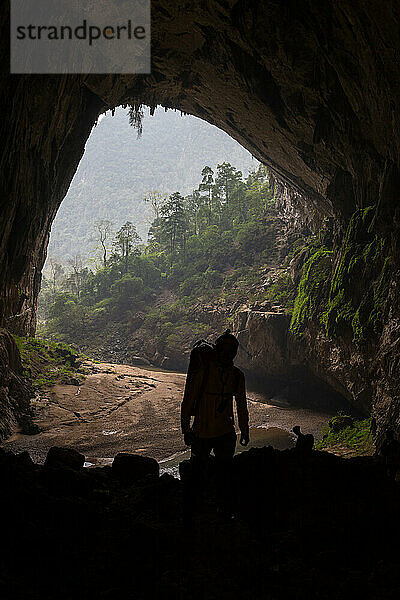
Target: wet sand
<point>120,408</point>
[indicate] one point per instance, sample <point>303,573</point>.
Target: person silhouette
<point>390,450</point>
<point>304,442</point>
<point>208,395</point>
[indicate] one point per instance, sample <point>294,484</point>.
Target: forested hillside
<point>118,169</point>
<point>208,252</point>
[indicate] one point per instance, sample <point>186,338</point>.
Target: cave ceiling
<point>311,88</point>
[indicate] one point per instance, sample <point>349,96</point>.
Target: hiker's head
<point>296,429</point>
<point>226,347</point>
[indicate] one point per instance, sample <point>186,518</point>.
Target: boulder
<point>24,460</point>
<point>132,467</point>
<point>139,361</point>
<point>28,427</point>
<point>341,422</point>
<point>185,470</point>
<point>64,457</point>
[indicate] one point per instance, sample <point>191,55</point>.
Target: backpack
<point>201,356</point>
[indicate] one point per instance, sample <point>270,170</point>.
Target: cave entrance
<point>136,308</point>
<point>188,185</point>
<point>300,88</point>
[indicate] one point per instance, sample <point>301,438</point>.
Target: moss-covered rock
<point>345,436</point>
<point>15,390</point>
<point>352,307</point>
<point>340,422</point>
<point>46,363</point>
<point>333,290</point>
<point>315,274</point>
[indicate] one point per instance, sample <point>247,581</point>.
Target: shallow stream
<point>259,437</point>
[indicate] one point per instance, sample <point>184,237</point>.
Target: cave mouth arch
<point>301,87</point>
<point>314,393</point>
<point>310,90</point>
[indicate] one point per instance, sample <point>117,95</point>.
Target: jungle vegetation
<point>208,247</point>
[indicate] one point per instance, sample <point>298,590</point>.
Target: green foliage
<point>125,241</point>
<point>316,272</point>
<point>349,308</point>
<point>47,363</point>
<point>128,290</point>
<point>66,316</point>
<point>357,438</point>
<point>117,170</point>
<point>282,291</point>
<point>176,326</point>
<point>206,248</point>
<point>335,294</point>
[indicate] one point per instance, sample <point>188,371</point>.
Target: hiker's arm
<point>192,387</point>
<point>241,407</point>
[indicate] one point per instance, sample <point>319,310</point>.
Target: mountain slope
<point>118,169</point>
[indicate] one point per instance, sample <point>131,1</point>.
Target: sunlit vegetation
<point>208,248</point>
<point>117,170</point>
<point>46,363</point>
<point>331,292</point>
<point>356,438</point>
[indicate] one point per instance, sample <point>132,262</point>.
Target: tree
<point>103,230</point>
<point>194,204</point>
<point>226,180</point>
<point>76,277</point>
<point>259,196</point>
<point>156,200</point>
<point>125,241</point>
<point>206,185</point>
<point>56,272</point>
<point>127,291</point>
<point>173,221</point>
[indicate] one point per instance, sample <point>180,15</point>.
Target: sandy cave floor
<point>121,408</point>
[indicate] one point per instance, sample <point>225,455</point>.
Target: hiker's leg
<point>193,486</point>
<point>200,452</point>
<point>224,449</point>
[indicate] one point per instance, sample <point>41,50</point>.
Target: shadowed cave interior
<point>311,89</point>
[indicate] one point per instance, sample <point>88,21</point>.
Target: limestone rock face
<point>312,89</point>
<point>263,342</point>
<point>277,363</point>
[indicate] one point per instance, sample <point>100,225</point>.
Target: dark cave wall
<point>44,139</point>
<point>15,391</point>
<point>309,87</point>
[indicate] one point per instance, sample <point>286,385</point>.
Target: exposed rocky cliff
<point>342,337</point>
<point>280,364</point>
<point>310,88</point>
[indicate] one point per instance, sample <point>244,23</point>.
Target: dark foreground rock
<point>133,467</point>
<point>323,528</point>
<point>64,457</point>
